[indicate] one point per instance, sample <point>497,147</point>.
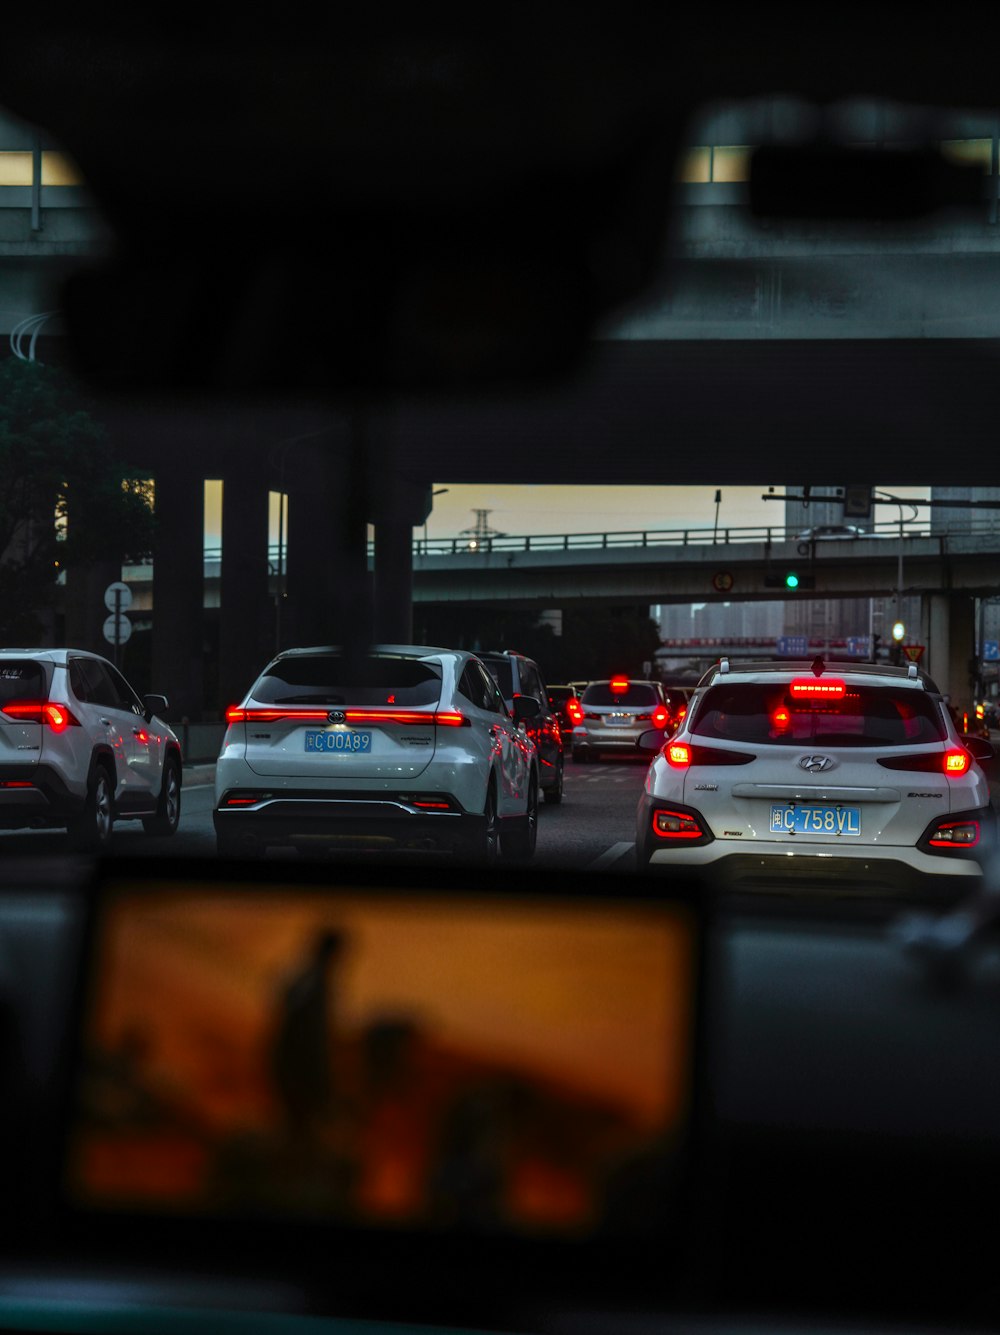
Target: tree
<point>65,498</point>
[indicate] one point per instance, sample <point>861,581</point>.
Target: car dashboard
<point>844,1152</point>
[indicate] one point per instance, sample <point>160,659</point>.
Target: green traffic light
<point>791,580</point>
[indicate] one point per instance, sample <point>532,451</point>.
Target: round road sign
<point>117,595</point>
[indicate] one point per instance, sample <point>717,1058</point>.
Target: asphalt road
<point>593,826</point>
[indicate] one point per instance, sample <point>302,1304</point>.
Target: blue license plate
<point>816,820</point>
<point>339,740</point>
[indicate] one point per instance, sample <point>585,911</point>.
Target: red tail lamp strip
<point>678,754</point>
<point>58,717</point>
<point>619,685</point>
<point>412,717</point>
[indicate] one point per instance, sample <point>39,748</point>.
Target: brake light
<point>260,714</point>
<point>619,685</point>
<point>956,763</point>
<point>781,719</point>
<point>574,712</point>
<point>705,755</point>
<point>953,763</point>
<point>676,825</point>
<point>955,834</point>
<point>58,717</point>
<point>660,716</point>
<point>817,688</point>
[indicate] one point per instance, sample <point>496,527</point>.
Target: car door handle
<point>106,721</point>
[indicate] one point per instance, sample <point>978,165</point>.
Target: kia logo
<point>337,716</point>
<point>816,763</point>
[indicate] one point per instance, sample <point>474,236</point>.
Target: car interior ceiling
<point>489,195</point>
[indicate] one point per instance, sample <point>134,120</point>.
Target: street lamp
<point>440,492</point>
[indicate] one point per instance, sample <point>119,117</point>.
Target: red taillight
<point>955,834</point>
<point>817,688</point>
<point>58,717</point>
<point>619,685</point>
<point>260,714</point>
<point>410,717</point>
<point>678,754</point>
<point>956,763</point>
<point>781,719</point>
<point>660,716</point>
<point>676,825</point>
<point>574,711</point>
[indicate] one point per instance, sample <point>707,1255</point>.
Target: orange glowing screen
<point>366,1058</point>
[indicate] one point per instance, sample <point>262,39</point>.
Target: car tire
<point>643,853</point>
<point>519,844</point>
<point>487,851</point>
<point>168,809</point>
<point>90,832</point>
<point>554,793</point>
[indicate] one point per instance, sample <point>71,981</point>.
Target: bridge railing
<point>464,545</point>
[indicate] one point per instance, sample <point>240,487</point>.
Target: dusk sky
<point>520,509</point>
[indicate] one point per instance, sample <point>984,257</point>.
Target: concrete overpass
<point>786,352</point>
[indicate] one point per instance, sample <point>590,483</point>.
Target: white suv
<point>414,749</point>
<point>848,776</point>
<point>79,749</point>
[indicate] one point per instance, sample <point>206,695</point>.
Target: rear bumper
<point>45,800</point>
<point>766,867</point>
<point>335,823</point>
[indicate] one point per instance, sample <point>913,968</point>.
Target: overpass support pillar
<point>948,630</point>
<point>328,585</point>
<point>178,591</point>
<point>398,506</point>
<point>246,630</point>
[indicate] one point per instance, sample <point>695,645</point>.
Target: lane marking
<point>612,854</point>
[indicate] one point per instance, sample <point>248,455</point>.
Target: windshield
<point>325,679</point>
<point>430,487</point>
<point>864,716</point>
<point>605,693</point>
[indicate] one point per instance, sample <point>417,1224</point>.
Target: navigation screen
<point>383,1059</point>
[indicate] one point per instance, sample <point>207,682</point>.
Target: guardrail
<point>464,544</point>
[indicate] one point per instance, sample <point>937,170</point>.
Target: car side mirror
<point>155,704</point>
<point>525,707</point>
<point>651,740</point>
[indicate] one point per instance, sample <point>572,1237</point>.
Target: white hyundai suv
<point>412,749</point>
<point>79,749</point>
<point>850,777</point>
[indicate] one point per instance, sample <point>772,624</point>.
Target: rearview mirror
<point>155,704</point>
<point>651,740</point>
<point>525,707</point>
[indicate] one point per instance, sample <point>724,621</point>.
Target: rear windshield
<point>21,680</point>
<point>865,716</point>
<point>560,694</point>
<point>503,674</point>
<point>637,693</point>
<point>321,679</point>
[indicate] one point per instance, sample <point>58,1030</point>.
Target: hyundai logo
<point>337,716</point>
<point>816,763</point>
